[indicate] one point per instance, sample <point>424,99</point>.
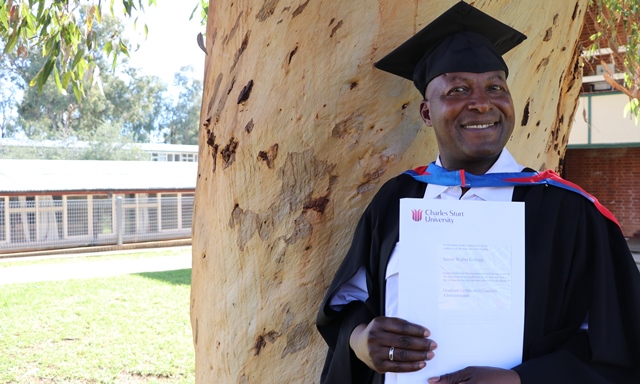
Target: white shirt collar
<point>505,163</point>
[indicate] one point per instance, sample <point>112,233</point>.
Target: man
<point>582,288</point>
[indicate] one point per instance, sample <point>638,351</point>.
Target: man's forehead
<point>466,76</point>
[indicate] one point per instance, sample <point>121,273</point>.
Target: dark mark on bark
<point>555,19</point>
<point>265,226</point>
<point>240,51</point>
<point>268,8</point>
<point>332,20</point>
<point>538,123</point>
<point>548,34</point>
<point>297,339</point>
<point>352,126</point>
<point>575,12</point>
<point>233,30</point>
<point>269,155</point>
<point>292,53</point>
<point>318,204</point>
<point>211,142</point>
<point>260,343</point>
<point>300,9</point>
<point>333,31</point>
<point>245,92</point>
<point>223,100</point>
<point>302,230</point>
<point>371,180</point>
<point>301,174</point>
<point>216,88</point>
<point>405,105</point>
<point>204,255</point>
<point>525,113</point>
<point>213,37</point>
<point>249,127</point>
<point>353,85</point>
<point>233,82</point>
<point>528,135</point>
<point>228,153</point>
<point>543,63</point>
<point>561,80</point>
<point>272,336</point>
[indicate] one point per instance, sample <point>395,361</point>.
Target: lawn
<point>124,329</point>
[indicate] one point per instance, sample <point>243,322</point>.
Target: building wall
<point>36,222</point>
<point>612,175</point>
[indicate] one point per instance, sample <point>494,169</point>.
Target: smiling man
<point>582,288</point>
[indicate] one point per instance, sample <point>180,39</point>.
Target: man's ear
<point>425,113</point>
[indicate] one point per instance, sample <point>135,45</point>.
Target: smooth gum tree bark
<point>298,131</point>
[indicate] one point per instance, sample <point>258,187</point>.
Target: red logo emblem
<point>416,214</point>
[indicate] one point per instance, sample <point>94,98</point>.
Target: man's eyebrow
<point>497,76</point>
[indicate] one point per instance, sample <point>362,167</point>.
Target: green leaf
<point>44,73</point>
<point>66,78</point>
<point>194,11</point>
<point>56,75</point>
<point>11,43</point>
<point>77,91</point>
<point>108,48</point>
<point>123,48</point>
<point>40,9</point>
<point>79,55</point>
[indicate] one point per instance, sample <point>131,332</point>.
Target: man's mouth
<point>478,126</point>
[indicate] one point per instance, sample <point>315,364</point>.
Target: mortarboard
<point>463,39</point>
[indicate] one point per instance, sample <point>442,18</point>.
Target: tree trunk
<point>298,131</point>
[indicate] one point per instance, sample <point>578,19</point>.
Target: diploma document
<point>461,275</point>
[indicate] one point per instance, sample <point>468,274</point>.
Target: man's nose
<point>480,102</point>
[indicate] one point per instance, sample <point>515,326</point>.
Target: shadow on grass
<point>177,277</point>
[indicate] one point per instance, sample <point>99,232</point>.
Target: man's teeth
<point>479,126</point>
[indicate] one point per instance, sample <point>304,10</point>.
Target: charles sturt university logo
<point>416,214</point>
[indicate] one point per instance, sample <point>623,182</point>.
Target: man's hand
<point>478,375</point>
<point>411,347</point>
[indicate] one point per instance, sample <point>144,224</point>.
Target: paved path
<point>82,267</point>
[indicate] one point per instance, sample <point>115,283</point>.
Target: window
<point>102,219</point>
<point>187,210</point>
<point>169,211</point>
<point>77,216</point>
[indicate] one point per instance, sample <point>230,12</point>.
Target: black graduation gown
<point>577,263</point>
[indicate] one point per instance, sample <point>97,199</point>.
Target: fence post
<point>119,219</point>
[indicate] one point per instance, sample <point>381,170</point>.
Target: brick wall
<point>612,175</point>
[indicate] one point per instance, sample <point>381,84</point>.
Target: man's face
<point>472,116</point>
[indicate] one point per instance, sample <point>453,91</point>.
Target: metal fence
<point>44,222</point>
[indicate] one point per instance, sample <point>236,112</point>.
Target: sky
<point>171,42</point>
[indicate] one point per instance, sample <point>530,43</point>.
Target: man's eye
<point>457,90</point>
<point>496,88</point>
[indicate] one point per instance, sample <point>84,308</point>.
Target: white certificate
<point>461,275</point>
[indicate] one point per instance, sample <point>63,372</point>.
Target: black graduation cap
<point>463,39</point>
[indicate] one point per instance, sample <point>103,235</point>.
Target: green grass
<point>124,329</point>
